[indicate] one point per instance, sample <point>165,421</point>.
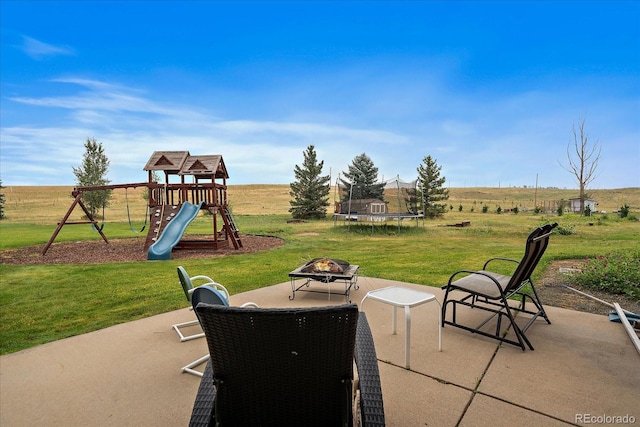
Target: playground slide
<point>172,233</point>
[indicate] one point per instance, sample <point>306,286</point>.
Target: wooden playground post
<point>77,194</point>
<point>77,201</point>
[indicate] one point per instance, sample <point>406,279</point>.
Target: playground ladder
<point>157,223</point>
<point>231,228</point>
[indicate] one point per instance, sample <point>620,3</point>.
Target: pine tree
<point>411,201</point>
<point>310,191</point>
<point>430,184</point>
<point>91,173</point>
<point>363,174</point>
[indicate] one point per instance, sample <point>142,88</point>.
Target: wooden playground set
<point>172,206</point>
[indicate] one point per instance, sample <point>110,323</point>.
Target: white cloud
<point>504,141</point>
<point>40,50</point>
<point>101,96</point>
<point>131,126</point>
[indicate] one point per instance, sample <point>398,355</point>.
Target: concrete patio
<point>584,370</point>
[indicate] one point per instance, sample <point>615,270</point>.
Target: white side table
<point>404,297</point>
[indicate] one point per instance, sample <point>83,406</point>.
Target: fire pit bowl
<point>325,265</point>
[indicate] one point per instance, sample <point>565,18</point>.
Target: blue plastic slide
<point>172,233</point>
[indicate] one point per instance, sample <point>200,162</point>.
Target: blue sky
<point>491,90</point>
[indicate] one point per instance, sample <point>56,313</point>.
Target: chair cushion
<point>479,283</point>
<point>209,295</point>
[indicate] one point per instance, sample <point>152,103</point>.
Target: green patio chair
<point>187,283</point>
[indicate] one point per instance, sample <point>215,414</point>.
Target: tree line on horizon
<point>310,191</point>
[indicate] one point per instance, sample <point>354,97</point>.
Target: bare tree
<point>583,162</point>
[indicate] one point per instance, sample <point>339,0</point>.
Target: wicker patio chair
<point>489,291</point>
<point>288,367</point>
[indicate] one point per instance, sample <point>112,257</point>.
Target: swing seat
<point>146,215</point>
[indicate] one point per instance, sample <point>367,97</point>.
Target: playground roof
<point>204,165</point>
<point>169,161</point>
<point>183,163</point>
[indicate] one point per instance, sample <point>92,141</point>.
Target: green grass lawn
<point>42,303</point>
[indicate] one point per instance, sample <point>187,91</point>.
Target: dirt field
<point>551,291</point>
<point>120,250</point>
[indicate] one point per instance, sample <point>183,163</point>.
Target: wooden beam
<point>627,326</point>
<point>76,201</point>
<point>608,304</point>
<point>112,186</point>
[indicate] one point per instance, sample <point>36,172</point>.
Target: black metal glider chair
<point>489,291</point>
<point>288,367</point>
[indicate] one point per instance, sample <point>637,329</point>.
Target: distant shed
<point>588,203</point>
<point>363,206</point>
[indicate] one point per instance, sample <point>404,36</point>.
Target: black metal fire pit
<point>325,270</point>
